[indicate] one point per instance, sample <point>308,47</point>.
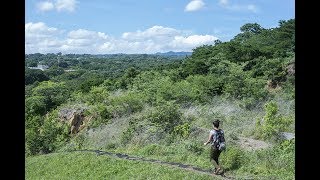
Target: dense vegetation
<point>162,106</point>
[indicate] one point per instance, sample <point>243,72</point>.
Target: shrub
<point>153,86</point>
<point>272,122</point>
<point>182,130</point>
<point>101,114</point>
<point>45,135</point>
<point>195,148</point>
<point>54,93</point>
<point>184,92</point>
<point>166,116</point>
<point>33,142</point>
<point>277,162</point>
<point>54,134</point>
<point>126,103</point>
<point>35,105</point>
<point>232,158</point>
<point>129,133</point>
<point>150,149</point>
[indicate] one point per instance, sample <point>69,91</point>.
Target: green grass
<point>86,165</point>
<point>172,153</point>
<point>276,162</point>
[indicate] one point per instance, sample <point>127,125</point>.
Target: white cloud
<point>194,5</point>
<point>59,5</point>
<point>43,39</point>
<point>66,5</point>
<point>83,39</point>
<point>155,33</point>
<point>238,7</point>
<point>45,6</point>
<point>85,34</point>
<point>194,40</point>
<point>39,30</point>
<point>186,43</point>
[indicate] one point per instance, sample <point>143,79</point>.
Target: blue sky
<point>142,26</point>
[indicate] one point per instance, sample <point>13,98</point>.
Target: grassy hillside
<point>241,159</point>
<point>165,110</point>
<point>85,166</point>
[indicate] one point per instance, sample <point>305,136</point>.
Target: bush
<point>196,88</point>
<point>126,103</point>
<point>128,134</point>
<point>35,105</point>
<point>33,142</point>
<point>277,162</point>
<point>184,92</point>
<point>182,130</point>
<point>55,93</point>
<point>272,123</point>
<point>54,134</point>
<point>232,158</point>
<point>153,86</point>
<point>151,149</point>
<point>45,135</point>
<point>166,116</point>
<point>195,148</point>
<point>101,113</point>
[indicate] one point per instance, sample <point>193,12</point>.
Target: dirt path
<point>171,164</point>
<point>243,142</point>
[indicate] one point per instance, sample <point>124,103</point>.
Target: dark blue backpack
<point>218,140</point>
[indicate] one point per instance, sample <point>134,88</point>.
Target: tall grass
<point>150,141</point>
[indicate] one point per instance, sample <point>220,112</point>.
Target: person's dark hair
<point>216,123</point>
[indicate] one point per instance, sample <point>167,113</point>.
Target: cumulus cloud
<point>194,5</point>
<point>45,6</point>
<point>86,34</point>
<point>194,40</point>
<point>155,33</point>
<point>43,39</point>
<point>186,43</point>
<point>65,5</point>
<point>238,7</point>
<point>39,30</point>
<point>59,5</point>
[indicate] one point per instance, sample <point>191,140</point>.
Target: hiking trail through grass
<point>171,164</point>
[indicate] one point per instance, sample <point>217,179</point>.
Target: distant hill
<point>172,53</point>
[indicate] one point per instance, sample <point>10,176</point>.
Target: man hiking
<point>216,138</point>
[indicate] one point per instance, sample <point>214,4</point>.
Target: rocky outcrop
<point>75,118</point>
<point>291,69</point>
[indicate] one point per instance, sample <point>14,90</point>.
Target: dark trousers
<point>214,154</point>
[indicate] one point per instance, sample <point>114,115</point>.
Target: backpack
<point>218,140</point>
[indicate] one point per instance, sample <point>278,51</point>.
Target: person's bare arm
<point>209,139</point>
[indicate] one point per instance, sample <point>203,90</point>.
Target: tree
<point>217,42</point>
<point>54,93</point>
<point>127,78</point>
<point>35,105</point>
<point>54,71</point>
<point>33,75</point>
<point>251,28</point>
<point>63,64</point>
